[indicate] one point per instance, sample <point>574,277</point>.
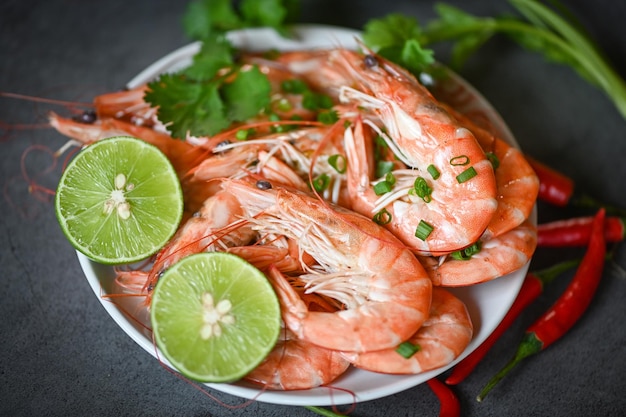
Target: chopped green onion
<point>242,134</point>
<point>382,187</point>
<point>423,230</point>
<point>294,86</point>
<point>460,160</point>
<point>467,253</point>
<point>380,148</point>
<point>495,161</point>
<point>433,171</point>
<point>328,117</point>
<point>383,168</point>
<point>347,124</point>
<point>422,189</point>
<point>321,183</point>
<point>284,105</point>
<point>390,178</point>
<point>466,175</point>
<point>338,162</point>
<point>408,349</point>
<point>324,101</point>
<point>383,217</point>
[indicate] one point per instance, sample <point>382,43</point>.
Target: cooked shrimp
<point>183,155</point>
<point>384,288</point>
<point>516,181</point>
<point>422,134</point>
<point>297,364</point>
<point>496,257</point>
<point>279,252</point>
<point>214,227</point>
<point>128,105</point>
<point>441,339</point>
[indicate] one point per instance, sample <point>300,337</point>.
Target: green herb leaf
<point>247,95</point>
<point>187,106</point>
<point>397,38</point>
<point>216,53</point>
<point>205,17</point>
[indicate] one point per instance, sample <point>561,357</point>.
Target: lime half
<point>119,200</point>
<point>214,316</point>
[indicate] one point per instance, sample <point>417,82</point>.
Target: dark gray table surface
<point>61,354</point>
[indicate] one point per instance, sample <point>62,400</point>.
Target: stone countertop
<point>63,355</point>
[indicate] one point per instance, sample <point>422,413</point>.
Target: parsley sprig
<point>552,32</point>
<point>215,91</point>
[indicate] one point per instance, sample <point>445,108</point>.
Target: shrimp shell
<point>441,339</point>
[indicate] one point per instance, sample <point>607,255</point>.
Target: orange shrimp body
<point>382,284</point>
<point>441,339</point>
<point>516,181</point>
<point>425,137</point>
<point>498,256</point>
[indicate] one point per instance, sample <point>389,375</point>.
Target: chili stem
<point>567,309</point>
<point>532,287</point>
<point>322,411</point>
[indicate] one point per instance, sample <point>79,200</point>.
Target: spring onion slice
<point>466,175</point>
<point>423,230</point>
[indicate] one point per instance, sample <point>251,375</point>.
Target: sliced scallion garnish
<point>408,349</point>
<point>460,160</point>
<point>423,230</point>
<point>495,161</point>
<point>382,218</point>
<point>338,162</point>
<point>422,189</point>
<point>467,253</point>
<point>321,183</point>
<point>433,171</point>
<point>466,175</point>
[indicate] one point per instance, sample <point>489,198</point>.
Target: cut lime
<point>214,316</point>
<point>119,200</point>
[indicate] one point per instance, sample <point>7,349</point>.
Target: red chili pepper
<point>449,405</point>
<point>567,309</point>
<point>554,187</point>
<point>531,288</point>
<point>577,231</point>
<point>558,189</point>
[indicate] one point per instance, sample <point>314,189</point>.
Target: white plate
<point>487,303</point>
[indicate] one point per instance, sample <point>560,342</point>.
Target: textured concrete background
<point>61,354</point>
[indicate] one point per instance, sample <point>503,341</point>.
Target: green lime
<point>119,200</point>
<point>214,316</point>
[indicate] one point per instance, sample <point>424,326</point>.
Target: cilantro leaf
<point>390,31</point>
<point>247,95</point>
<point>216,53</point>
<point>187,107</point>
<point>397,38</point>
<point>204,17</point>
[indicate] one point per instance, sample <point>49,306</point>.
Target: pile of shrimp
<point>359,224</point>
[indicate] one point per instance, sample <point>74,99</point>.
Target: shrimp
<point>436,148</point>
<point>496,257</point>
<point>128,105</point>
<point>516,181</point>
<point>441,339</point>
<point>183,155</point>
<point>296,364</point>
<point>216,226</point>
<point>384,288</point>
<point>278,252</point>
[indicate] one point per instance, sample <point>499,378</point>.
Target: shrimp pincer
<point>446,156</point>
<point>441,339</point>
<point>384,288</point>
